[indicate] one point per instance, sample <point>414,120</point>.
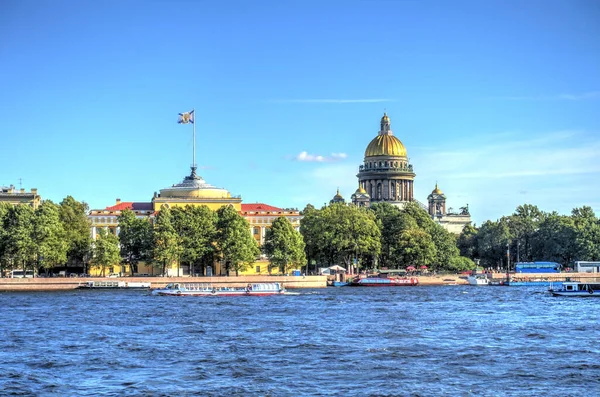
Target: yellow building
<point>194,191</point>
<point>16,196</point>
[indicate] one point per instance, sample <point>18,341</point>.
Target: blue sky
<point>497,101</point>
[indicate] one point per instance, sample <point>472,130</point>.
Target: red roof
<point>130,205</point>
<point>259,207</point>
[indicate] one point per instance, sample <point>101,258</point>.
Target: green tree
<point>49,236</point>
<point>136,237</point>
<point>310,228</point>
<point>105,250</point>
<point>74,217</point>
<point>196,225</point>
<point>415,248</point>
<point>523,225</point>
<point>4,255</point>
<point>236,245</point>
<point>167,243</point>
<point>555,239</point>
<point>445,247</point>
<point>350,233</point>
<point>587,235</point>
<point>392,223</point>
<point>467,242</point>
<point>20,245</point>
<point>284,246</point>
<point>492,240</point>
<point>461,263</point>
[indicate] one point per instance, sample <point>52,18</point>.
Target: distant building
<point>16,196</point>
<point>452,221</point>
<point>337,198</point>
<point>387,176</point>
<point>194,191</point>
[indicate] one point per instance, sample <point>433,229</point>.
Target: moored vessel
<point>208,289</point>
<point>574,288</point>
<point>384,282</point>
<point>478,279</point>
<point>114,285</point>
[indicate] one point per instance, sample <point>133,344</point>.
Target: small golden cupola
<point>337,198</point>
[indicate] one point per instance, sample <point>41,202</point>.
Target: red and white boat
<point>207,289</point>
<point>384,282</point>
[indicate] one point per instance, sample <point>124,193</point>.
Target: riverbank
<point>58,283</point>
<point>290,282</point>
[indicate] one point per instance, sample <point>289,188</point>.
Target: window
<point>257,269</point>
<point>256,230</point>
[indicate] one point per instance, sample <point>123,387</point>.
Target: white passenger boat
<point>573,288</point>
<point>112,284</point>
<point>478,279</point>
<point>208,289</point>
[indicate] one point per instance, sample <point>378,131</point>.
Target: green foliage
<point>445,247</point>
<point>467,242</point>
<point>106,250</point>
<point>392,223</point>
<point>234,241</point>
<point>49,236</point>
<point>284,246</point>
<point>415,247</point>
<point>167,243</point>
<point>19,238</point>
<point>74,217</point>
<point>196,225</point>
<point>460,264</point>
<point>136,237</point>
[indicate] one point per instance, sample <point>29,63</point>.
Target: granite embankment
<point>49,284</point>
<point>58,283</point>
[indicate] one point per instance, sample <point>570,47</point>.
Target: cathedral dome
<point>385,143</point>
<point>436,190</point>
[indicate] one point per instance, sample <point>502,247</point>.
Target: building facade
<point>194,191</point>
<point>14,196</point>
<point>386,175</point>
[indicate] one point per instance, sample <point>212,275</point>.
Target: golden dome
<point>436,190</point>
<point>360,189</point>
<point>385,145</point>
<point>385,118</point>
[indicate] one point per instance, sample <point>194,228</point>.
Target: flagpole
<point>194,148</point>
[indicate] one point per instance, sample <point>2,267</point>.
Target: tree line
<point>382,235</point>
<point>50,236</point>
<point>530,234</point>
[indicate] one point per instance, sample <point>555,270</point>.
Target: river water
<point>413,341</point>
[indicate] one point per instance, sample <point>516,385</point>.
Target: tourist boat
<point>478,279</point>
<point>208,289</point>
<point>114,285</point>
<point>384,282</point>
<point>534,283</point>
<point>574,288</point>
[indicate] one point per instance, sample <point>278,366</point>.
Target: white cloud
<point>364,100</point>
<point>558,97</point>
<point>496,173</point>
<point>306,157</point>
